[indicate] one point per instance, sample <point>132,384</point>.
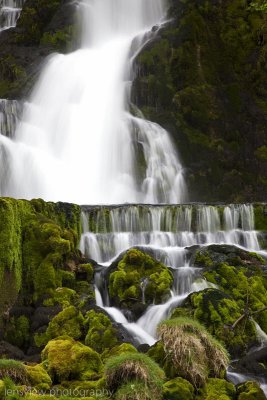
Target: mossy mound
<point>67,359</point>
<point>101,335</point>
<point>139,279</point>
<point>118,350</point>
<point>193,352</point>
<point>38,377</point>
<point>68,322</point>
<point>178,389</point>
<point>217,389</point>
<point>135,391</point>
<point>250,391</point>
<point>131,368</point>
<point>218,312</point>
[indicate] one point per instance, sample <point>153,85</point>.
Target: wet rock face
<point>203,79</point>
<point>43,28</point>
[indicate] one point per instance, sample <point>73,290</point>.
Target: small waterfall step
<point>169,229</point>
<point>9,13</point>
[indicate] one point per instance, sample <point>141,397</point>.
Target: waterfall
<point>78,141</point>
<point>9,13</point>
<point>166,230</point>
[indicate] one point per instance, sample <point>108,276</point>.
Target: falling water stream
<point>77,141</point>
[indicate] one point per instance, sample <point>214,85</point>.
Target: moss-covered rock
<point>178,389</point>
<point>101,334</point>
<point>17,331</point>
<point>68,322</point>
<point>66,359</point>
<point>217,389</point>
<point>218,311</point>
<point>135,391</point>
<point>250,391</point>
<point>238,273</point>
<point>38,377</point>
<point>118,350</point>
<point>36,239</point>
<point>139,279</point>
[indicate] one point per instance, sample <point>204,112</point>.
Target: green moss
<point>135,391</point>
<point>203,259</point>
<point>60,40</point>
<point>178,389</point>
<point>68,322</point>
<point>17,331</point>
<point>218,312</point>
<point>118,350</point>
<point>260,213</point>
<point>217,389</point>
<point>135,268</point>
<point>250,391</point>
<point>100,335</point>
<point>38,377</point>
<point>134,368</point>
<point>66,359</point>
<point>63,296</point>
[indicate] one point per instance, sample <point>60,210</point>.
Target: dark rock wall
<point>44,27</point>
<point>204,79</point>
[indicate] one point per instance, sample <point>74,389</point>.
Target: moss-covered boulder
<point>218,312</point>
<point>135,391</point>
<point>139,280</point>
<point>134,368</point>
<point>186,349</point>
<point>67,322</point>
<point>217,389</point>
<point>178,389</point>
<point>38,377</point>
<point>101,335</point>
<point>118,350</point>
<point>66,359</point>
<point>250,391</point>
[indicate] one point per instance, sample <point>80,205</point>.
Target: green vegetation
<point>137,269</point>
<point>14,370</point>
<point>193,352</point>
<point>250,391</point>
<point>178,389</point>
<point>66,359</point>
<point>100,335</point>
<point>217,389</point>
<point>136,369</point>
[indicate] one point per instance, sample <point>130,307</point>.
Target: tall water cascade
<point>77,141</point>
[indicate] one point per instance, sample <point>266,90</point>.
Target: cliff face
<point>204,79</point>
<point>43,28</point>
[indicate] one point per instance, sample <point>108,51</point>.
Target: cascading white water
<point>9,13</point>
<point>168,230</point>
<point>77,141</point>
